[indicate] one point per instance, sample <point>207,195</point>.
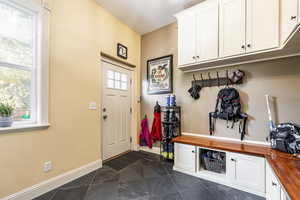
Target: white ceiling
<point>145,16</point>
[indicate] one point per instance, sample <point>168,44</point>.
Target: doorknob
<point>104,117</point>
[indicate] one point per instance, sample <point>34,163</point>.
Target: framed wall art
<point>160,75</point>
<point>122,51</point>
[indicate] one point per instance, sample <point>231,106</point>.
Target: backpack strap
<point>243,124</point>
<point>211,123</point>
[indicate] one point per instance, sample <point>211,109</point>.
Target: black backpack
<point>228,107</point>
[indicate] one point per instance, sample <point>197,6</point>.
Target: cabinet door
<point>232,27</point>
<point>187,38</point>
<point>272,185</point>
<point>289,18</point>
<point>207,34</point>
<point>248,171</point>
<point>185,157</point>
<point>262,25</point>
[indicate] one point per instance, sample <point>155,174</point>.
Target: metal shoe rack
<point>171,128</point>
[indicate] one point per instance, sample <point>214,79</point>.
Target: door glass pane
<point>124,78</point>
<point>117,76</point>
<point>117,84</point>
<point>15,90</point>
<point>124,85</point>
<point>16,36</point>
<point>110,83</point>
<point>110,74</point>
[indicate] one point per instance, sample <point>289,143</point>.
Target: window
<point>117,80</point>
<point>21,50</point>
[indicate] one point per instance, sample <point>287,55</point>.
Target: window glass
<point>17,54</point>
<point>117,85</point>
<point>110,83</point>
<point>110,74</point>
<point>15,90</point>
<point>117,76</point>
<point>16,36</point>
<point>124,78</point>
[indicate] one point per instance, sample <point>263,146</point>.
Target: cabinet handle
<point>293,17</point>
<point>243,46</point>
<point>233,160</point>
<point>274,184</point>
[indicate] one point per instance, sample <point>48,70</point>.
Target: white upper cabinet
<point>262,25</point>
<point>289,18</point>
<point>207,31</point>
<point>187,38</point>
<point>218,33</point>
<point>232,27</point>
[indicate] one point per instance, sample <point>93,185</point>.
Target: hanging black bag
<point>228,107</point>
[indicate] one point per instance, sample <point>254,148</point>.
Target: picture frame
<point>160,75</point>
<point>122,51</point>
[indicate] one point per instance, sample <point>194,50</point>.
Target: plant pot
<point>6,121</point>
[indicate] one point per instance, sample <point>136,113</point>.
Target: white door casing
<point>116,110</point>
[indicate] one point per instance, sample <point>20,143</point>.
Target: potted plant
<point>6,112</point>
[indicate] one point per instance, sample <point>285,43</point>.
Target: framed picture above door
<point>160,75</point>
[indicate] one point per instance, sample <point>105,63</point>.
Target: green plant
<point>6,110</point>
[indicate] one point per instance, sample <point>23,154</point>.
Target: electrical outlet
<point>47,166</point>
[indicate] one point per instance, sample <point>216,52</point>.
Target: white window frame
<point>40,71</point>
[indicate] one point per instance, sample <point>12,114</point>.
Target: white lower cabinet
<point>246,171</point>
<point>274,190</point>
<point>185,157</point>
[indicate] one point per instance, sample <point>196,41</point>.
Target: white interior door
<point>116,110</point>
<point>232,27</point>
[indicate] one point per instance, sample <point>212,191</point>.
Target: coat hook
<point>227,77</point>
<point>209,78</point>
<point>218,79</point>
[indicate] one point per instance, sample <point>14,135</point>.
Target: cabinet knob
<point>249,45</point>
<point>198,57</point>
<point>243,46</point>
<point>193,151</point>
<point>233,160</point>
<point>274,184</point>
<point>293,17</point>
<point>194,57</point>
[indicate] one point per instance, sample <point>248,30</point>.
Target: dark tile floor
<point>142,176</point>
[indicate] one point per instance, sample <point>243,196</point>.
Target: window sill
<point>23,127</point>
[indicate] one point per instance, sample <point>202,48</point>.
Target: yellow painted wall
<point>80,29</point>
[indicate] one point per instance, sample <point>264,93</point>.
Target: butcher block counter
<point>285,166</point>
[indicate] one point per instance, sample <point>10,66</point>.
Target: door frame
<point>133,94</point>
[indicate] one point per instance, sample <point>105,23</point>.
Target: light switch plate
<point>92,106</point>
<point>47,166</point>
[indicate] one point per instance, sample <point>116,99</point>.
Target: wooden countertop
<point>285,166</point>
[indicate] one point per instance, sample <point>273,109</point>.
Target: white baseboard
<point>55,182</point>
<point>228,139</point>
<point>155,150</point>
